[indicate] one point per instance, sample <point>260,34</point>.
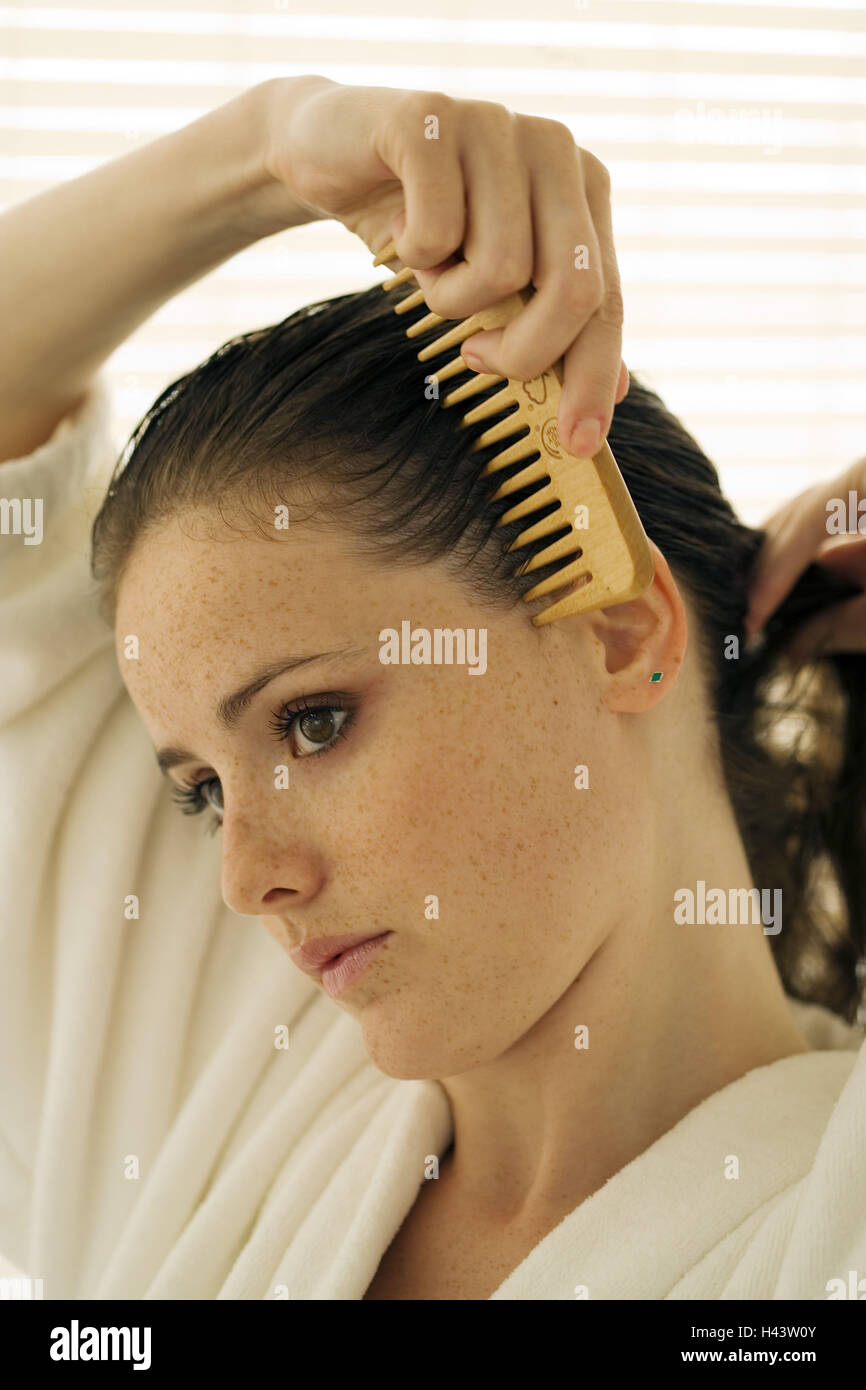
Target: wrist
<point>271,203</point>
<point>235,185</point>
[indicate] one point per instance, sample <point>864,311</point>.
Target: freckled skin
<point>555,904</point>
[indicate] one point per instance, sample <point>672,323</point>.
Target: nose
<point>267,867</point>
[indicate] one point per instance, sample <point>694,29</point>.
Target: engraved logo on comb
<point>536,391</point>
<point>550,438</point>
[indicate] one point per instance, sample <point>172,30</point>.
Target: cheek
<point>483,812</point>
<point>523,867</point>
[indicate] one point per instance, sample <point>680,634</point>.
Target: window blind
<point>735,134</point>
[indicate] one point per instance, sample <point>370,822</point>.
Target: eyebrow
<point>230,708</point>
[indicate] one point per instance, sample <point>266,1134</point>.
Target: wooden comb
<point>608,559</point>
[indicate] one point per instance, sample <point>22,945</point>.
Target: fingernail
<point>586,438</point>
<point>473,361</point>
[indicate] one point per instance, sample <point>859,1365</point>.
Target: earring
<point>656,675</point>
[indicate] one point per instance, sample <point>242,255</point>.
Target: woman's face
<point>442,806</point>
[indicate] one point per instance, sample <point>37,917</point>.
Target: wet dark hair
<point>332,404</point>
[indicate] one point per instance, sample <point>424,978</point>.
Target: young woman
<point>559,1074</point>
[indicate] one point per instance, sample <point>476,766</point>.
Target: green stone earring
<point>656,676</point>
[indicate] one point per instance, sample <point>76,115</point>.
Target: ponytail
<point>794,754</point>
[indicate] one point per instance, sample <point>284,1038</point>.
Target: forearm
<point>86,262</point>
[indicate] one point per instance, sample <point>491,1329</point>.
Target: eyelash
<point>282,723</point>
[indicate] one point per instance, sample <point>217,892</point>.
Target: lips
<point>313,956</point>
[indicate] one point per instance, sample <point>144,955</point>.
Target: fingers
<point>841,628</point>
<point>575,313</point>
<point>535,208</point>
<point>565,298</point>
<point>797,534</point>
<point>434,221</point>
<point>846,555</point>
<point>794,534</point>
<point>497,247</point>
<point>622,385</point>
<point>593,367</point>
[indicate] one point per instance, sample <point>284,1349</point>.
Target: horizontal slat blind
<point>735,134</point>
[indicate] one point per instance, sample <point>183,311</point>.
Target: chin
<point>422,1052</point>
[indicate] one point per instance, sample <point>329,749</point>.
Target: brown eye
<point>314,729</point>
<point>319,731</point>
<point>318,726</point>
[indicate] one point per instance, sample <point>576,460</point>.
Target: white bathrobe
<point>158,1140</point>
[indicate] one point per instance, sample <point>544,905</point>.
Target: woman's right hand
<point>514,192</point>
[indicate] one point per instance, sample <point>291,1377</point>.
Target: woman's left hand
<point>797,534</point>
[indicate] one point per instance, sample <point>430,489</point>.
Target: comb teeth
<point>605,562</point>
<point>470,388</point>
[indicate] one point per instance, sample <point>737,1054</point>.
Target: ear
<point>646,635</point>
